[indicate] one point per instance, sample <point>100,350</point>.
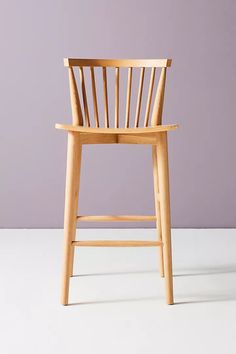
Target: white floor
<point>117,297</point>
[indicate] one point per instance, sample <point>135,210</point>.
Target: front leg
<point>74,150</point>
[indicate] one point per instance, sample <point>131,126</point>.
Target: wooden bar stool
<point>85,130</point>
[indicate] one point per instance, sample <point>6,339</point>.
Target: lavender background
<point>198,35</point>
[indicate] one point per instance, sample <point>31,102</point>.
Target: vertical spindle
<point>83,89</point>
<point>140,91</point>
<point>159,100</point>
<point>117,97</point>
<point>149,99</point>
<point>77,116</point>
<point>129,83</point>
<point>95,104</point>
<point>104,72</point>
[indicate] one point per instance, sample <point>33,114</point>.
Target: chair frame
<point>156,136</point>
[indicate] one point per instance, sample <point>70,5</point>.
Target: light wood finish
<point>77,116</point>
<point>87,138</point>
<point>154,135</point>
<point>136,131</point>
<point>104,73</point>
<point>107,243</point>
<point>157,207</point>
<point>95,104</point>
<point>80,119</point>
<point>135,139</point>
<point>129,83</point>
<point>163,179</point>
<point>159,100</point>
<point>86,111</point>
<point>140,91</point>
<point>117,97</point>
<point>149,99</point>
<point>71,202</point>
<point>116,218</point>
<point>122,63</point>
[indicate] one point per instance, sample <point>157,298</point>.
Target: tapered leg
<point>163,176</point>
<point>71,201</point>
<point>157,208</point>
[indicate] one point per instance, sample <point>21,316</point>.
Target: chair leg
<point>163,176</point>
<point>74,150</point>
<point>157,208</point>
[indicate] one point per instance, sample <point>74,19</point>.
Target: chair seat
<point>132,131</point>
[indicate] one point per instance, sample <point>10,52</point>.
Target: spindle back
<point>92,70</point>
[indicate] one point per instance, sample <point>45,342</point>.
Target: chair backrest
<point>91,70</point>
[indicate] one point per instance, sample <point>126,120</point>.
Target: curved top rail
<point>125,63</point>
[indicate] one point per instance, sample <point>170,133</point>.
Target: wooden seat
<point>122,129</point>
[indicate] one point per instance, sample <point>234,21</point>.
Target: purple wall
<point>198,35</point>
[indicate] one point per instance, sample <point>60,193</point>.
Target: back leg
<point>157,208</point>
<point>163,176</point>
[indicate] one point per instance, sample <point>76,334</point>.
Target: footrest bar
<point>117,243</point>
<point>116,218</point>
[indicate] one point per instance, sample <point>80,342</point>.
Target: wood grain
<point>125,63</point>
<point>118,243</point>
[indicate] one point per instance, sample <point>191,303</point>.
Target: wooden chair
<point>85,130</point>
